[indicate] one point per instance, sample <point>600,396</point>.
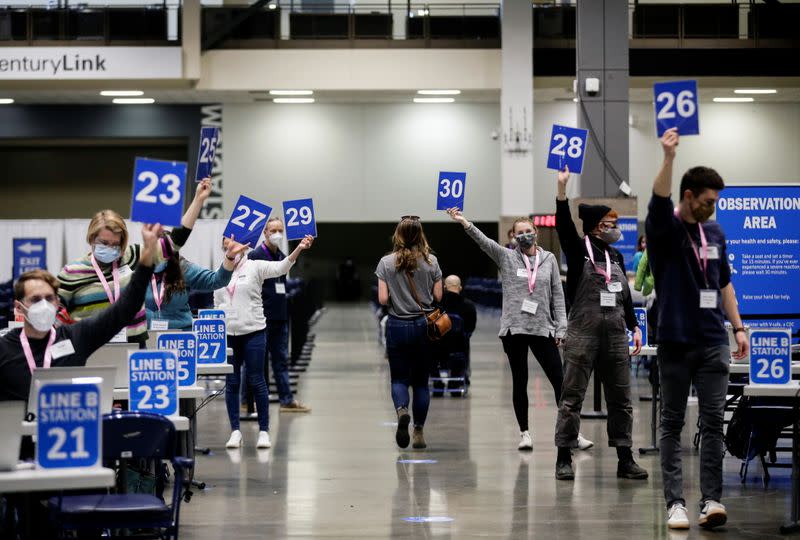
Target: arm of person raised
<point>92,333</point>
<point>271,269</point>
<point>494,250</point>
<point>180,235</point>
<point>659,215</point>
<point>568,235</point>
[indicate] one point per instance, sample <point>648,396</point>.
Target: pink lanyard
<point>234,279</point>
<point>531,275</point>
<point>607,273</point>
<point>702,263</point>
<point>26,348</point>
<point>158,297</point>
<point>114,276</point>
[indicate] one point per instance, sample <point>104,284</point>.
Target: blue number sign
<point>68,426</point>
<point>158,191</point>
<point>450,190</point>
<point>153,381</point>
<point>185,346</point>
<point>626,245</point>
<point>247,221</point>
<point>210,313</point>
<point>300,219</point>
<point>770,357</point>
<point>567,148</point>
<point>209,137</point>
<point>29,254</point>
<point>641,320</point>
<point>676,106</point>
<point>762,228</point>
<point>211,341</point>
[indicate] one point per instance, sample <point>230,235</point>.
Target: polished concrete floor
<point>337,473</point>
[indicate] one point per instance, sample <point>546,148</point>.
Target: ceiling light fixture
<point>434,100</point>
<point>733,100</point>
<point>121,93</point>
<point>291,92</point>
<point>755,91</point>
<point>133,101</point>
<point>6,101</point>
<point>438,92</point>
<point>293,100</point>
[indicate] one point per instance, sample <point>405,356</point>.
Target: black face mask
<point>701,213</point>
<point>526,240</point>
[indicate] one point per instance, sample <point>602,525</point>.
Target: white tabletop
<point>773,390</point>
<point>744,367</point>
<point>646,351</point>
<point>184,392</point>
<point>214,369</point>
<point>181,423</point>
<point>55,479</point>
<point>229,351</point>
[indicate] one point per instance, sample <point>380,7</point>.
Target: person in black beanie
<point>601,311</point>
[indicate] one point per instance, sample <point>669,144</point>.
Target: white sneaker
<point>263,440</point>
<point>677,517</point>
<point>526,443</point>
<point>235,441</point>
<point>584,443</point>
<point>712,515</point>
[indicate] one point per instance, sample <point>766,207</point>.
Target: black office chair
<point>129,436</point>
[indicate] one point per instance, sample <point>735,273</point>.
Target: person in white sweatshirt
<point>244,314</point>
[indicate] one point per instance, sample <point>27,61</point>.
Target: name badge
<point>231,313</point>
<point>280,288</point>
<point>157,324</point>
<point>523,273</point>
<point>713,252</point>
<point>125,271</point>
<point>615,287</point>
<point>708,299</point>
<point>608,299</point>
<point>529,306</point>
<point>120,337</point>
<point>62,348</point>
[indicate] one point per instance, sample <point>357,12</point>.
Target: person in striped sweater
<point>95,281</point>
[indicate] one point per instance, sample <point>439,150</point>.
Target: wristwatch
<point>737,330</point>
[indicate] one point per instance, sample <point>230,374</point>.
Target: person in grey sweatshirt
<point>534,316</point>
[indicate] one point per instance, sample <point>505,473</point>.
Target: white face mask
<point>275,239</point>
<point>41,315</point>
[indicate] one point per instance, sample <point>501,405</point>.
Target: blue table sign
<point>209,137</point>
<point>68,425</point>
<point>210,313</point>
<point>300,219</point>
<point>153,381</point>
<point>567,148</point>
<point>29,254</point>
<point>158,191</point>
<point>185,346</point>
<point>676,106</point>
<point>770,356</point>
<point>247,221</point>
<point>450,190</point>
<point>212,347</point>
<point>641,320</point>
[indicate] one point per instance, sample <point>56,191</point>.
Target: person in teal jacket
<point>167,299</point>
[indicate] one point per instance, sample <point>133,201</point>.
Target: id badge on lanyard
<point>529,306</point>
<point>158,297</point>
<point>607,299</point>
<point>709,298</point>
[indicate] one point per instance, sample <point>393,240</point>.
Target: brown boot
<point>418,439</point>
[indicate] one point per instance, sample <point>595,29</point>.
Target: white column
<point>516,109</point>
<point>190,41</point>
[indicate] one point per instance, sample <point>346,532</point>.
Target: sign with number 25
<point>158,191</point>
<point>300,219</point>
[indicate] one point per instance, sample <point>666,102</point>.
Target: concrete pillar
<point>516,109</point>
<point>602,53</point>
<point>190,40</point>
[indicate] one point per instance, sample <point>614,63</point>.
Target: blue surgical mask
<point>106,254</point>
<point>160,267</point>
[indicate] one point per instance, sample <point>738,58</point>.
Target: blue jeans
<point>248,350</point>
<point>278,356</point>
<point>409,354</point>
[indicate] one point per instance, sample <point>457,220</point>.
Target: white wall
<point>377,162</point>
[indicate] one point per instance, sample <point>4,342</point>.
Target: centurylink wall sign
<point>82,63</point>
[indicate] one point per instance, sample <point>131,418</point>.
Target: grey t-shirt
<point>401,301</point>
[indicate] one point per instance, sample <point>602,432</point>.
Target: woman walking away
<point>409,281</point>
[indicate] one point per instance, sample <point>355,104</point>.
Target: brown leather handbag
<point>438,320</point>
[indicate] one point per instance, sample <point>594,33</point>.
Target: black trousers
<point>516,347</point>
